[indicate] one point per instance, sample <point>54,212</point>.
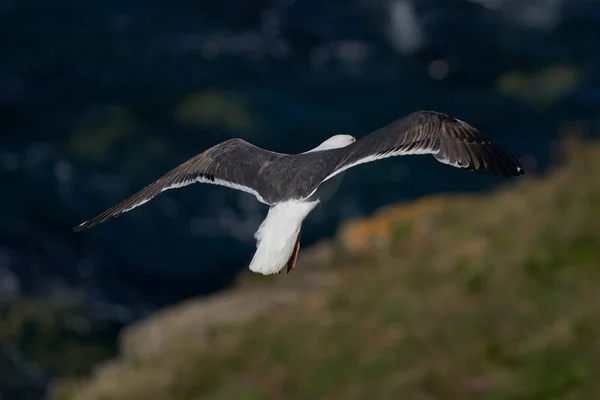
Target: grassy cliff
<point>492,296</point>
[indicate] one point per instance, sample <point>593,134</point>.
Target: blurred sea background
<point>99,98</point>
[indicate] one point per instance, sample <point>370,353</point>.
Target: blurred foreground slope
<point>493,296</point>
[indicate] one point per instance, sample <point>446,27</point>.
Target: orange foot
<point>291,264</point>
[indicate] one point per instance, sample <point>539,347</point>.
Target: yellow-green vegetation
<point>216,109</point>
<point>541,88</point>
<point>498,299</point>
<point>99,130</point>
<point>101,134</point>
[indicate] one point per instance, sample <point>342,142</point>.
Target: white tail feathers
<point>276,236</point>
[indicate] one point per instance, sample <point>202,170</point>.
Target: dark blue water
<point>89,93</point>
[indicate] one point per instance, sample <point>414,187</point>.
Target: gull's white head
<point>334,142</point>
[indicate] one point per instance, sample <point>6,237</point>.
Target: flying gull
<point>292,185</point>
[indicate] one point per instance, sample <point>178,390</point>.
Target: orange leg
<point>291,264</point>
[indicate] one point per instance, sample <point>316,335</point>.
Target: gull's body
<point>294,184</point>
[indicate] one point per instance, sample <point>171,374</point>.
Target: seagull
<point>292,185</point>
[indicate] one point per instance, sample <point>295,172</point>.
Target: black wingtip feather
<point>92,222</point>
<point>466,147</point>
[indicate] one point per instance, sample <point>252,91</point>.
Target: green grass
<point>499,301</point>
<point>56,335</point>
